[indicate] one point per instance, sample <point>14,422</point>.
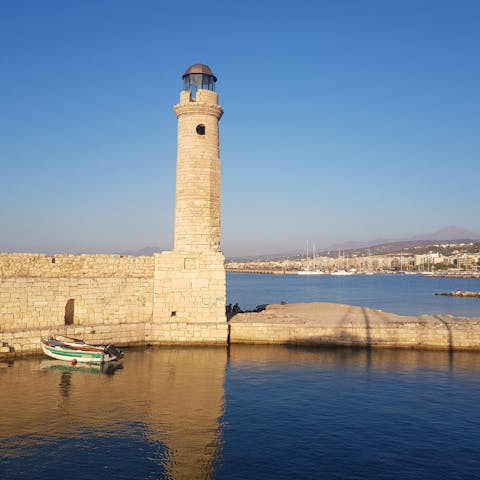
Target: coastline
<point>272,271</point>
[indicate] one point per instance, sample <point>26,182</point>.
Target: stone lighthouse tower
<point>197,212</point>
<point>189,284</point>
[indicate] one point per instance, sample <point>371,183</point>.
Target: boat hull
<point>341,273</point>
<point>310,272</point>
<point>83,353</point>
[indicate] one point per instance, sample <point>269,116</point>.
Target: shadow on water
<point>450,338</point>
<point>368,336</point>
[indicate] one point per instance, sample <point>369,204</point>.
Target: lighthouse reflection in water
<point>155,417</point>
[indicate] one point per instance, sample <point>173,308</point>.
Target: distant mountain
<point>446,234</point>
<point>378,245</point>
<point>352,245</point>
<point>143,252</point>
<point>449,233</point>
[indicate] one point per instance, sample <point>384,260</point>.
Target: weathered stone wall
<point>67,265</point>
<point>27,302</point>
<point>115,299</point>
<point>189,299</point>
<point>105,293</point>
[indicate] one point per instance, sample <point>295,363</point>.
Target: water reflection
<point>160,416</point>
<point>388,360</point>
<point>171,398</point>
<point>62,366</point>
<point>65,383</point>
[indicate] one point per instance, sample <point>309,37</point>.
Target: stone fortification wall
<point>73,266</point>
<point>164,299</point>
<point>73,295</point>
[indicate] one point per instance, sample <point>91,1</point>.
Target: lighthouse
<point>197,209</point>
<point>190,284</point>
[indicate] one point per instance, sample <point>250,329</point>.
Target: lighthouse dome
<point>199,68</point>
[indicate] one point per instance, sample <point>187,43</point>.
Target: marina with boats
<point>452,260</point>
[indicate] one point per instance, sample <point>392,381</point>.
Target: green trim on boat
<point>74,353</point>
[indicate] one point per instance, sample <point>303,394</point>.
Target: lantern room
<point>198,77</point>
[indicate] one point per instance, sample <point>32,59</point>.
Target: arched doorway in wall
<point>69,311</point>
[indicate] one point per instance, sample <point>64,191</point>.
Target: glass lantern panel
<point>196,81</point>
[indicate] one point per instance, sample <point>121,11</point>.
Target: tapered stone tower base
<point>189,299</point>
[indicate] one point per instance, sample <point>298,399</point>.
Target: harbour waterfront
<point>254,411</point>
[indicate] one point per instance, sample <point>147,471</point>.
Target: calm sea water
<point>253,412</point>
<point>402,294</point>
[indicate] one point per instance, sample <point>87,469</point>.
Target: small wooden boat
<point>76,350</point>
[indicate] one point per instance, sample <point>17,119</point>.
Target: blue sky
<point>344,120</point>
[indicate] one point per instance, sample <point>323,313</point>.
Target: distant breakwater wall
<point>265,271</point>
<point>458,293</point>
<point>328,324</point>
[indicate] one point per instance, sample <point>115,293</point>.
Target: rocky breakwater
<point>458,293</point>
<point>329,324</point>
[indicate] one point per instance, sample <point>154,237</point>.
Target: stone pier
<point>329,324</point>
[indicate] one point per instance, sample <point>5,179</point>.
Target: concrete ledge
<point>329,324</point>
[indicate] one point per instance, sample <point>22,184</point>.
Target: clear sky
<point>344,120</point>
